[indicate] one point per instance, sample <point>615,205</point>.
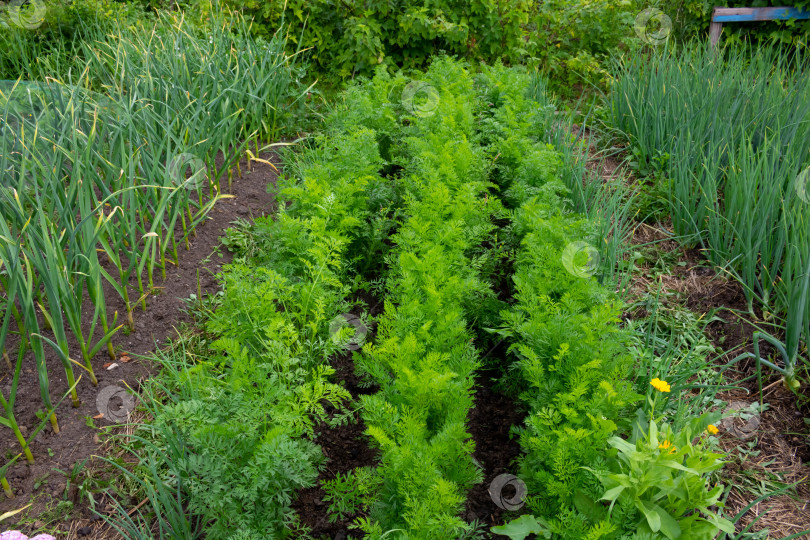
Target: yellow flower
<point>661,386</point>
<point>666,445</point>
<point>712,429</point>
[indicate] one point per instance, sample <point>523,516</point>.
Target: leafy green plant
<point>573,367</point>
<point>663,474</point>
<point>571,40</point>
<point>354,37</point>
<point>521,527</point>
<point>350,493</point>
<point>571,361</point>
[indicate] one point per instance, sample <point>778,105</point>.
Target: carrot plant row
<point>597,461</point>
<point>98,190</point>
<point>423,358</point>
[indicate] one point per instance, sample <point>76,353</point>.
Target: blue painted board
<point>758,14</point>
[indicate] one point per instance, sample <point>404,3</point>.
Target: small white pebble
<point>112,367</point>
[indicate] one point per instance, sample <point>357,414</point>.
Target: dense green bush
<point>352,37</point>
<point>563,38</point>
<point>569,40</point>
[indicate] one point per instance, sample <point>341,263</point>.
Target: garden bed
<point>451,216</point>
<point>166,312</point>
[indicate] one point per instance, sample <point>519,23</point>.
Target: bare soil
<point>490,423</point>
<point>346,448</point>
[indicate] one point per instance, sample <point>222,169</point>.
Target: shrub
<point>568,40</point>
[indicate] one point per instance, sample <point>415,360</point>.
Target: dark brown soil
<point>346,448</point>
<point>732,334</point>
<point>490,422</point>
<point>77,441</point>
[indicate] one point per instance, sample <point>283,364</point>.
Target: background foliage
<point>568,41</point>
<point>351,38</point>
